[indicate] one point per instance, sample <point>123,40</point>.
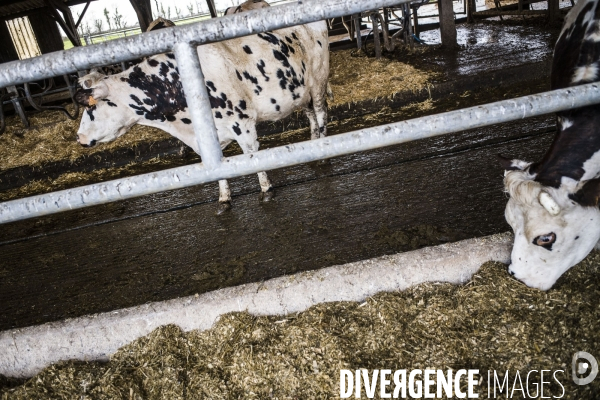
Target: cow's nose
<point>511,272</point>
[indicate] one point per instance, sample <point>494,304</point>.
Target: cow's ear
<point>83,97</point>
<point>589,194</point>
<point>512,165</point>
<point>100,90</point>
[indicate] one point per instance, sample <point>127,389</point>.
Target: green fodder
<point>491,323</point>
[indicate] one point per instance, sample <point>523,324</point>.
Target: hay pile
<point>493,322</point>
<point>52,137</point>
<point>354,77</point>
<point>74,179</point>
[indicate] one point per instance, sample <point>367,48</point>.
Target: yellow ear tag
<point>92,101</point>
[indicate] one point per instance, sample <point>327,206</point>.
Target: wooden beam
<point>212,8</point>
<point>143,9</point>
<point>447,25</point>
<point>66,21</point>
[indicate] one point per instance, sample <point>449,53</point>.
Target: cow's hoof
<point>267,196</point>
<point>224,206</point>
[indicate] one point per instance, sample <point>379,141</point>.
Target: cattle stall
<point>364,139</point>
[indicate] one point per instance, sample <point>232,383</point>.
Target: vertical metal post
<point>375,22</point>
<point>196,95</point>
<point>17,105</point>
<point>357,20</point>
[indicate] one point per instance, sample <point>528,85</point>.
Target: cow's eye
<point>545,241</point>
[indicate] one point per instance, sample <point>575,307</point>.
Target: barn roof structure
<point>44,15</point>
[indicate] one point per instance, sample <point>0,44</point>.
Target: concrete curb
<point>24,352</point>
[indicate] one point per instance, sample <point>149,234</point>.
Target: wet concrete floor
<point>346,209</point>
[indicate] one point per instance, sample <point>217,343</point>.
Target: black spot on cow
<point>294,35</point>
<point>110,103</point>
<point>277,108</point>
<point>269,37</point>
<point>242,104</point>
<point>288,39</point>
<point>164,97</point>
<point>236,129</point>
<point>318,41</point>
<point>136,99</point>
<point>164,69</point>
<point>230,113</point>
<point>250,77</point>
<point>241,114</point>
<point>218,115</point>
<point>90,112</point>
<point>282,78</point>
<point>282,58</point>
<point>223,96</point>
<point>152,62</point>
<point>186,121</point>
<point>303,67</point>
<point>261,67</point>
<point>170,64</point>
<point>247,49</point>
<point>238,74</point>
<point>170,118</point>
<point>174,76</point>
<point>273,101</point>
<point>211,86</point>
<point>229,104</point>
<point>171,56</point>
<point>258,89</point>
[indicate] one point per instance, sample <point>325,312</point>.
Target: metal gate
<point>183,41</point>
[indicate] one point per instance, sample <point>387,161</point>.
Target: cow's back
<point>270,74</point>
<point>577,49</point>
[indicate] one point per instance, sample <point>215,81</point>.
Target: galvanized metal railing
<point>182,41</point>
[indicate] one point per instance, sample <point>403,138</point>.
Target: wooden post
<point>143,9</point>
<point>447,26</point>
<point>553,6</point>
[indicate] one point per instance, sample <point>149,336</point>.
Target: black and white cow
<point>247,6</point>
<point>263,77</point>
<point>553,205</point>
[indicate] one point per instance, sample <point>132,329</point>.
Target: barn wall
<point>7,47</point>
<point>46,31</point>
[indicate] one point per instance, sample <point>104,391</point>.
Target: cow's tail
<point>329,92</point>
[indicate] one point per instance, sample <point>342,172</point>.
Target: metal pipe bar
<point>495,13</point>
<point>303,152</point>
<point>163,40</point>
<point>196,95</point>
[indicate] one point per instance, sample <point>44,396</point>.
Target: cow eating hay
<point>264,77</point>
<point>553,206</point>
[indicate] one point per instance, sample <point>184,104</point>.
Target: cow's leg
<point>250,145</point>
<point>224,197</point>
<point>320,107</point>
<point>312,119</point>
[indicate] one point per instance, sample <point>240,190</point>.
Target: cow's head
<point>104,119</point>
<point>555,228</point>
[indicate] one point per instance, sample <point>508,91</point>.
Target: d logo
<point>581,367</point>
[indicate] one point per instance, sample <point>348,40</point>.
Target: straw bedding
<point>53,136</point>
<point>491,323</point>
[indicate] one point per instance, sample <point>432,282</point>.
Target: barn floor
<point>346,209</point>
<point>492,323</point>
